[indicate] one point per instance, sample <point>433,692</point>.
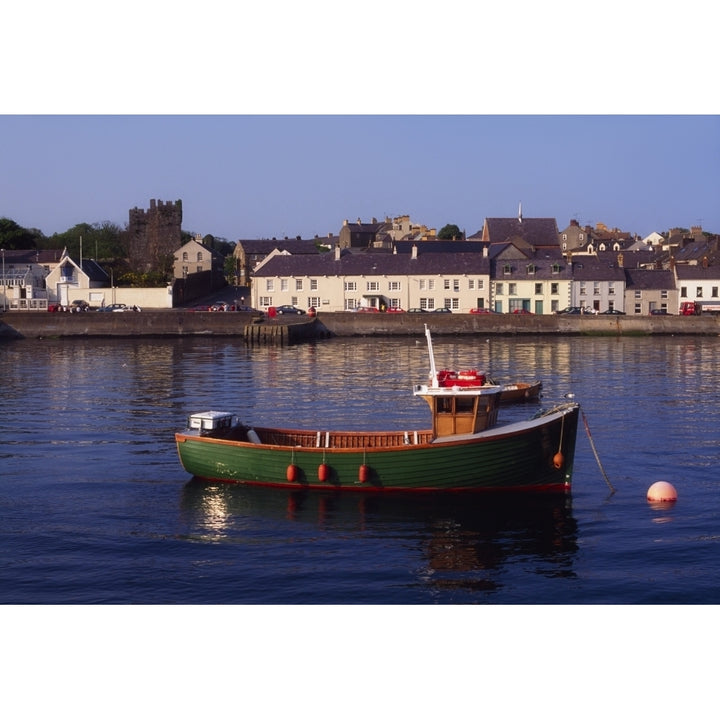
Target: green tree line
<point>105,243</point>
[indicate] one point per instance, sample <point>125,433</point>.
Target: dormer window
<point>530,269</point>
<point>555,269</point>
<point>507,270</point>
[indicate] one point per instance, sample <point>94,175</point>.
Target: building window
<point>683,292</point>
<point>265,301</point>
<point>664,294</point>
<point>531,269</point>
<point>199,257</point>
<point>427,303</point>
<point>421,284</point>
<point>373,286</point>
<point>394,286</point>
<point>638,294</point>
<point>583,289</point>
<point>456,285</point>
<point>499,290</point>
<point>452,303</point>
<point>284,285</point>
<point>471,284</point>
<point>507,270</point>
<point>698,291</point>
<point>638,308</point>
<point>554,288</point>
<point>714,291</point>
<point>270,285</point>
<point>431,285</point>
<point>596,288</point>
<point>611,288</point>
<point>555,269</point>
<point>198,268</point>
<point>350,286</point>
<point>313,302</point>
<point>313,285</point>
<point>538,288</point>
<point>512,288</point>
<point>185,257</point>
<point>299,284</point>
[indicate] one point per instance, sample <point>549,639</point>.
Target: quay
<point>292,329</point>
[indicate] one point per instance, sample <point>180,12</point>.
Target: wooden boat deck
<point>342,440</point>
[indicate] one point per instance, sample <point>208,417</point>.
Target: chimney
<point>337,252</point>
<point>413,256</point>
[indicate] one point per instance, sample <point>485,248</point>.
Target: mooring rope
<point>597,457</point>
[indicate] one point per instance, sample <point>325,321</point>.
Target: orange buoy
<point>661,491</point>
<point>364,473</point>
<point>558,460</point>
<point>292,473</point>
<point>323,472</point>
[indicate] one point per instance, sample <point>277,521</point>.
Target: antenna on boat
<point>433,372</point>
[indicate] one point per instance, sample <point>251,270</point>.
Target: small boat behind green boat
<point>464,449</point>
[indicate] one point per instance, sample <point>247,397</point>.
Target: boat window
<point>444,405</point>
<point>465,404</point>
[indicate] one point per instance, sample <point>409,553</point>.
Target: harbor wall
<point>18,325</point>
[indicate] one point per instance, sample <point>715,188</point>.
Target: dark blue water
<point>95,508</point>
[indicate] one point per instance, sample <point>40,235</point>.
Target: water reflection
<point>466,542</point>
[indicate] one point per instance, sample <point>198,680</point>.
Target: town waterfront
<point>96,508</point>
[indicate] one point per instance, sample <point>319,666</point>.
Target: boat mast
<point>433,372</point>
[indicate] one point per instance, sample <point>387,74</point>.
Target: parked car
<point>416,310</point>
<point>288,310</point>
<point>570,311</point>
<point>79,306</point>
<point>115,307</point>
<point>395,310</point>
<point>442,310</point>
<point>659,311</point>
<point>219,307</point>
<point>366,309</point>
<point>480,311</point>
<point>521,311</point>
<point>612,311</point>
<point>244,308</point>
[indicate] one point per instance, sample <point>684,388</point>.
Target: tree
<point>100,241</point>
<point>450,232</point>
<point>14,237</point>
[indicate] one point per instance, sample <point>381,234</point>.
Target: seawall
<point>349,324</point>
<point>163,323</point>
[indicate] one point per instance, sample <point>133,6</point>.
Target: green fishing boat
<point>464,449</point>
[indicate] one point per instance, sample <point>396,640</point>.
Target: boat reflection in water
<point>467,543</point>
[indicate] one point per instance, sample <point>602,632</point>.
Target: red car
<point>521,311</point>
<point>480,311</point>
<point>395,309</point>
<point>364,308</point>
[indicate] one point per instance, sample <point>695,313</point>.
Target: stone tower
<point>153,235</point>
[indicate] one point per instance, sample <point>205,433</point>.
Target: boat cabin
<point>460,411</point>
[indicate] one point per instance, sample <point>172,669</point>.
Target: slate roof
<point>544,269</point>
<point>636,279</point>
<point>265,247</point>
<point>29,257</point>
<point>539,232</point>
<point>372,264</point>
<point>697,272</point>
<point>589,269</point>
<point>445,246</point>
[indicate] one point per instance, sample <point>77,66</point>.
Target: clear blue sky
<point>286,118</point>
<point>263,176</point>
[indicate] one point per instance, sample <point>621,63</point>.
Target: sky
<point>244,177</point>
<point>267,125</point>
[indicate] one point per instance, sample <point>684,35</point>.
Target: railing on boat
<point>350,440</point>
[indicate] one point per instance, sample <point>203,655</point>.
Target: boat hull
<point>536,454</point>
